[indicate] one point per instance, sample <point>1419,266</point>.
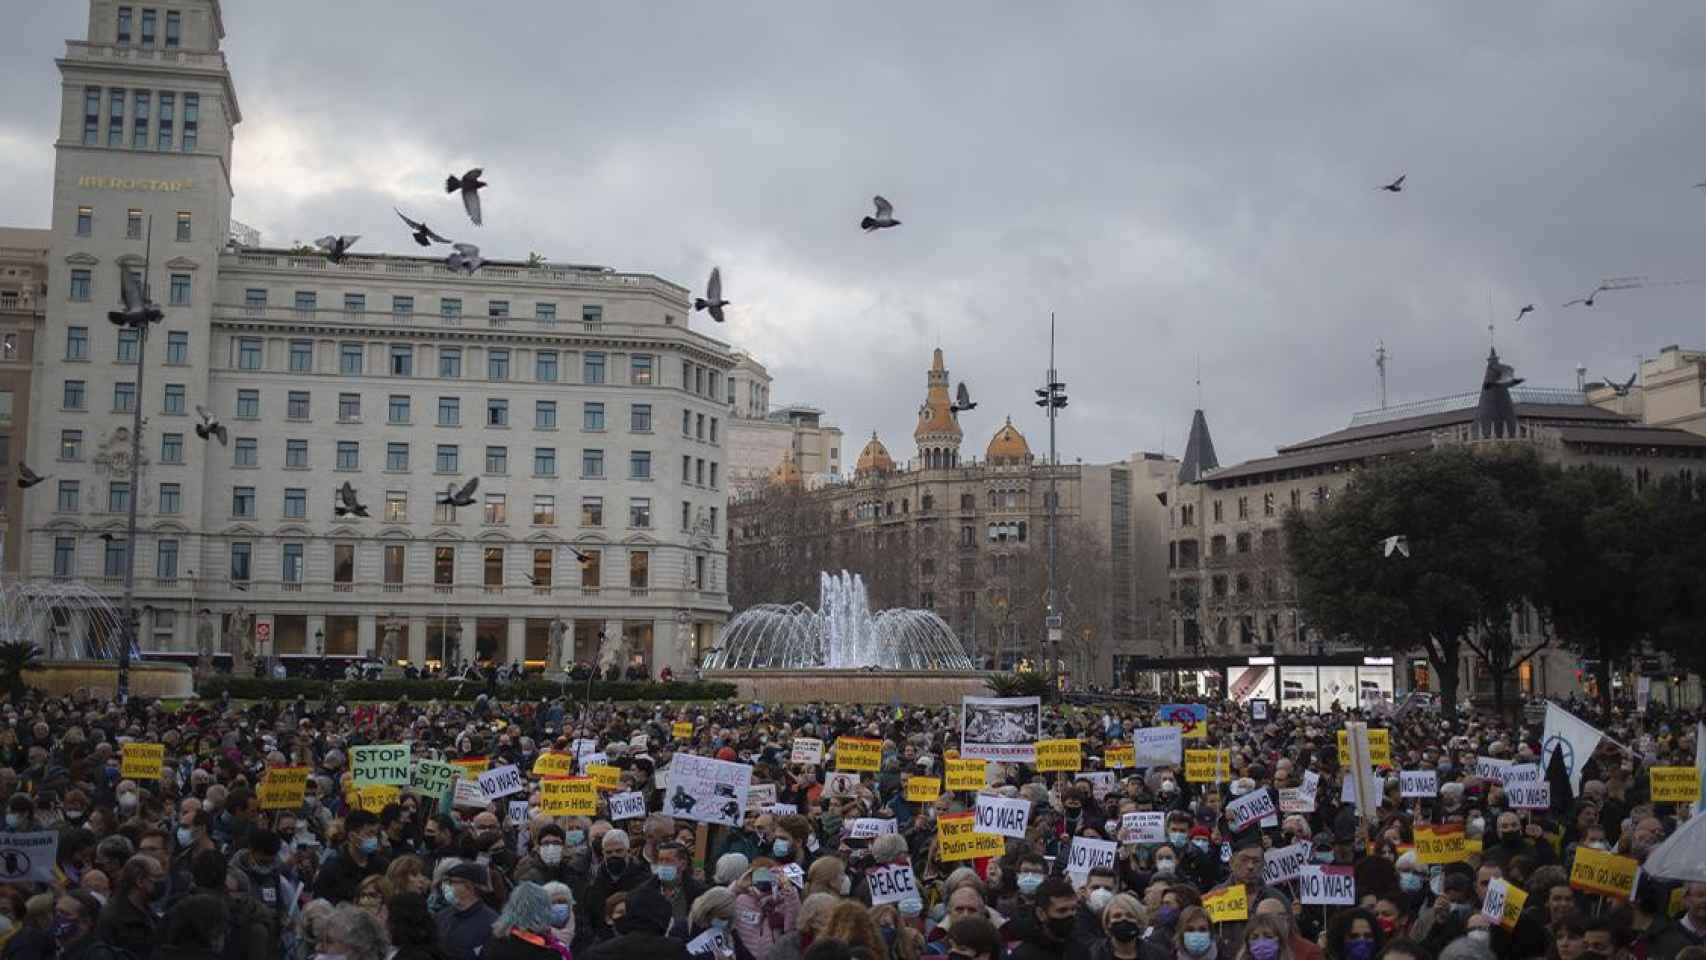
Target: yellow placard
<point>1676,908</point>
<point>858,753</point>
<point>1208,766</point>
<point>1379,747</point>
<point>966,774</point>
<point>1059,755</point>
<point>1118,756</point>
<point>374,797</point>
<point>283,788</point>
<point>604,776</point>
<point>1675,784</point>
<point>1229,905</point>
<point>923,789</point>
<point>553,764</point>
<point>1603,873</point>
<point>568,797</point>
<point>1472,845</point>
<point>141,761</point>
<point>1440,843</point>
<point>957,839</point>
<point>1514,899</point>
<point>471,767</point>
<point>681,729</point>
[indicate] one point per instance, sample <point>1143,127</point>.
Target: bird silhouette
<point>884,217</point>
<point>137,310</point>
<point>1395,186</point>
<point>464,258</point>
<point>713,300</point>
<point>1622,389</point>
<point>536,581</point>
<point>336,247</point>
<point>424,235</point>
<point>962,400</point>
<point>470,184</point>
<point>1501,375</point>
<point>210,426</point>
<point>109,538</point>
<point>1397,543</point>
<point>1527,309</point>
<point>583,558</point>
<point>459,498</point>
<point>1587,301</point>
<point>347,504</point>
<point>28,478</point>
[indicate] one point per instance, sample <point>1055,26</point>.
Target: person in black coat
<point>466,922</point>
<point>642,932</point>
<point>355,861</point>
<point>127,921</point>
<point>409,924</point>
<point>619,870</point>
<point>1047,933</point>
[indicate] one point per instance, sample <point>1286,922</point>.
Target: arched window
<point>1220,632</point>
<point>1021,531</point>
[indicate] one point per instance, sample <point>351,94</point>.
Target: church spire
<point>1199,451</point>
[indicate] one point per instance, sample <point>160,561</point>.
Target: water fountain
<point>843,651</point>
<point>77,628</point>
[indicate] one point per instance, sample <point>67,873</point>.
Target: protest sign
<point>1190,718</point>
<point>553,764</point>
<point>471,767</point>
<point>1064,756</point>
<point>284,788</point>
<point>867,828</point>
<point>1326,886</point>
<point>1005,816</point>
<point>1295,800</point>
<point>377,763</point>
<point>1258,710</point>
<point>1440,843</point>
<point>858,754</point>
<point>1119,756</point>
<point>1231,905</point>
<point>923,789</point>
<point>518,814</point>
<point>502,782</point>
<point>1249,808</point>
<point>1418,783</point>
<point>430,778</point>
<point>568,797</point>
<point>1491,768</point>
<point>966,774</point>
<point>1208,766</point>
<point>707,790</point>
<point>141,761</point>
<point>1101,782</point>
<point>468,795</point>
<point>681,729</point>
<point>375,797</point>
<point>1282,863</point>
<point>1675,784</point>
<point>1379,747</point>
<point>1157,746</point>
<point>841,784</point>
<point>715,943</point>
<point>891,883</point>
<point>761,795</point>
<point>806,750</point>
<point>957,839</point>
<point>1087,853</point>
<point>1603,873</point>
<point>1503,903</point>
<point>29,857</point>
<point>604,776</point>
<point>1004,729</point>
<point>1144,826</point>
<point>626,806</point>
<point>782,810</point>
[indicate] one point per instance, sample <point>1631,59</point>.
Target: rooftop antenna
<point>1380,357</point>
<point>1581,377</point>
<point>1490,344</point>
<point>1199,380</point>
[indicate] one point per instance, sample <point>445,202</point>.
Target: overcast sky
<point>1173,180</point>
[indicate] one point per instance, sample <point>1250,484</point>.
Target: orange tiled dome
<point>874,458</point>
<point>1008,445</point>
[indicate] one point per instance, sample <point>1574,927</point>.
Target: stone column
<point>515,643</point>
<point>669,647</point>
<point>366,634</point>
<point>417,640</point>
<point>615,647</point>
<point>465,653</point>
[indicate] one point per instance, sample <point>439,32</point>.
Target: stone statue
<point>610,651</point>
<point>388,642</point>
<point>684,640</point>
<point>554,658</point>
<point>242,642</point>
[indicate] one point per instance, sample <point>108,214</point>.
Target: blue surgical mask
<point>1029,882</point>
<point>1411,882</point>
<point>448,892</point>
<point>666,872</point>
<point>186,836</point>
<point>370,845</point>
<point>911,907</point>
<point>1197,942</point>
<point>1177,837</point>
<point>576,837</point>
<point>1200,844</point>
<point>780,846</point>
<point>559,914</point>
<point>720,923</point>
<point>1323,856</point>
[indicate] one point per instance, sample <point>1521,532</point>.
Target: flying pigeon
<point>27,478</point>
<point>962,400</point>
<point>336,247</point>
<point>459,498</point>
<point>210,426</point>
<point>713,300</point>
<point>1527,309</point>
<point>137,310</point>
<point>884,217</point>
<point>1397,543</point>
<point>464,257</point>
<point>535,581</point>
<point>424,235</point>
<point>1395,186</point>
<point>1587,301</point>
<point>1501,375</point>
<point>1622,389</point>
<point>583,558</point>
<point>109,538</point>
<point>470,184</point>
<point>347,504</point>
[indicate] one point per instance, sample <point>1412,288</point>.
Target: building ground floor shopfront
<point>1314,683</point>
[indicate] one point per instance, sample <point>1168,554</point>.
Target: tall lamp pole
<point>139,313</point>
<point>1052,397</point>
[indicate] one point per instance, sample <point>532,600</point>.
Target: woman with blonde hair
<point>903,940</point>
<point>1266,937</point>
<point>851,923</point>
<point>407,874</point>
<point>371,895</point>
<point>828,875</point>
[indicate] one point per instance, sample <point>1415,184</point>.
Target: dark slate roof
<point>1199,451</point>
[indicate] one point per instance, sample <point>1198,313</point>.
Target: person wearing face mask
<point>715,910</point>
<point>1246,869</point>
<point>1266,938</point>
<point>74,915</point>
<point>127,921</point>
<point>672,876</point>
<point>548,861</point>
<point>190,838</point>
<point>1202,864</point>
<point>1045,933</point>
<point>616,871</point>
<point>261,862</point>
<point>1123,919</point>
<point>765,906</point>
<point>1094,897</point>
<point>643,929</point>
<point>355,860</point>
<point>465,923</point>
<point>1354,935</point>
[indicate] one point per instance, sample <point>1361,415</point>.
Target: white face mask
<point>551,853</point>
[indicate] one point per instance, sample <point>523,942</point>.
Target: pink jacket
<point>761,921</point>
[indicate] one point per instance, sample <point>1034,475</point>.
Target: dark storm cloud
<point>1172,180</point>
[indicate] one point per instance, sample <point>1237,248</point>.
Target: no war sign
<point>1331,886</point>
<point>891,883</point>
<point>1003,815</point>
<point>1250,808</point>
<point>502,782</point>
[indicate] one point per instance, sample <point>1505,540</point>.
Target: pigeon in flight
<point>1501,375</point>
<point>459,498</point>
<point>464,257</point>
<point>1622,389</point>
<point>27,478</point>
<point>1395,186</point>
<point>470,184</point>
<point>336,247</point>
<point>347,504</point>
<point>1587,301</point>
<point>210,426</point>
<point>1527,309</point>
<point>1397,543</point>
<point>109,538</point>
<point>583,558</point>
<point>962,400</point>
<point>424,235</point>
<point>137,310</point>
<point>536,581</point>
<point>713,300</point>
<point>884,217</point>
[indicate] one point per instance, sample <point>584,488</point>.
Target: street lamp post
<point>139,314</point>
<point>1052,397</point>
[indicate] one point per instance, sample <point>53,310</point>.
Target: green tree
<point>17,657</point>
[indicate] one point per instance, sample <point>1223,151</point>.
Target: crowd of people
<point>189,866</point>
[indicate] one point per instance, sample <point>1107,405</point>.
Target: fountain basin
<point>148,678</point>
<point>824,685</point>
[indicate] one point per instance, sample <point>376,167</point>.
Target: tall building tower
<point>938,431</point>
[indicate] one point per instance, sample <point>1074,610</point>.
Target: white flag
<point>1700,761</point>
<point>1574,739</point>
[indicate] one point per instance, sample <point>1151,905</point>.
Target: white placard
<point>796,875</point>
<point>1002,815</point>
<point>1249,808</point>
<point>1295,800</point>
<point>864,828</point>
<point>1418,783</point>
<point>28,857</point>
<point>782,809</point>
<point>1310,782</point>
<point>468,794</point>
<point>1003,729</point>
<point>1282,863</point>
<point>1529,796</point>
<point>714,943</point>
<point>499,783</point>
<point>640,742</point>
<point>806,750</point>
<point>1157,746</point>
<point>627,806</point>
<point>891,883</point>
<point>518,813</point>
<point>1491,768</point>
<point>843,784</point>
<point>1144,826</point>
<point>581,746</point>
<point>761,794</point>
<point>1101,782</point>
<point>588,759</point>
<point>1088,853</point>
<point>1330,886</point>
<point>707,790</point>
<point>1493,906</point>
<point>1518,774</point>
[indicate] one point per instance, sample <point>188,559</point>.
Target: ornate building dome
<point>1008,446</point>
<point>874,459</point>
<point>938,431</point>
<point>787,473</point>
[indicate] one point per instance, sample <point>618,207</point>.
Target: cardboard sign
<point>681,729</point>
<point>1379,747</point>
<point>468,795</point>
<point>553,764</point>
<point>1283,863</point>
<point>1157,746</point>
<point>707,790</point>
<point>841,785</point>
<point>891,883</point>
<point>626,806</point>
<point>1295,800</point>
<point>1003,729</point>
<point>140,761</point>
<point>923,789</point>
<point>374,798</point>
<point>1440,843</point>
<point>500,783</point>
<point>714,943</point>
<point>1190,718</point>
<point>604,776</point>
<point>867,828</point>
<point>29,857</point>
<point>1258,710</point>
<point>1088,853</point>
<point>957,839</point>
<point>1491,769</point>
<point>1503,903</point>
<point>1231,905</point>
<point>568,797</point>
<point>806,750</point>
<point>377,763</point>
<point>1675,784</point>
<point>1530,796</point>
<point>1418,783</point>
<point>859,754</point>
<point>1249,808</point>
<point>1144,826</point>
<point>1604,873</point>
<point>1007,817</point>
<point>518,814</point>
<point>1119,756</point>
<point>284,788</point>
<point>1208,766</point>
<point>967,774</point>
<point>1065,756</point>
<point>430,778</point>
<point>1327,886</point>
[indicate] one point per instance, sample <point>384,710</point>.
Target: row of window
<point>159,132</point>
<point>128,346</point>
<point>250,354</point>
<point>133,220</point>
<point>403,305</point>
<point>1187,512</point>
<point>82,290</point>
<point>149,20</point>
